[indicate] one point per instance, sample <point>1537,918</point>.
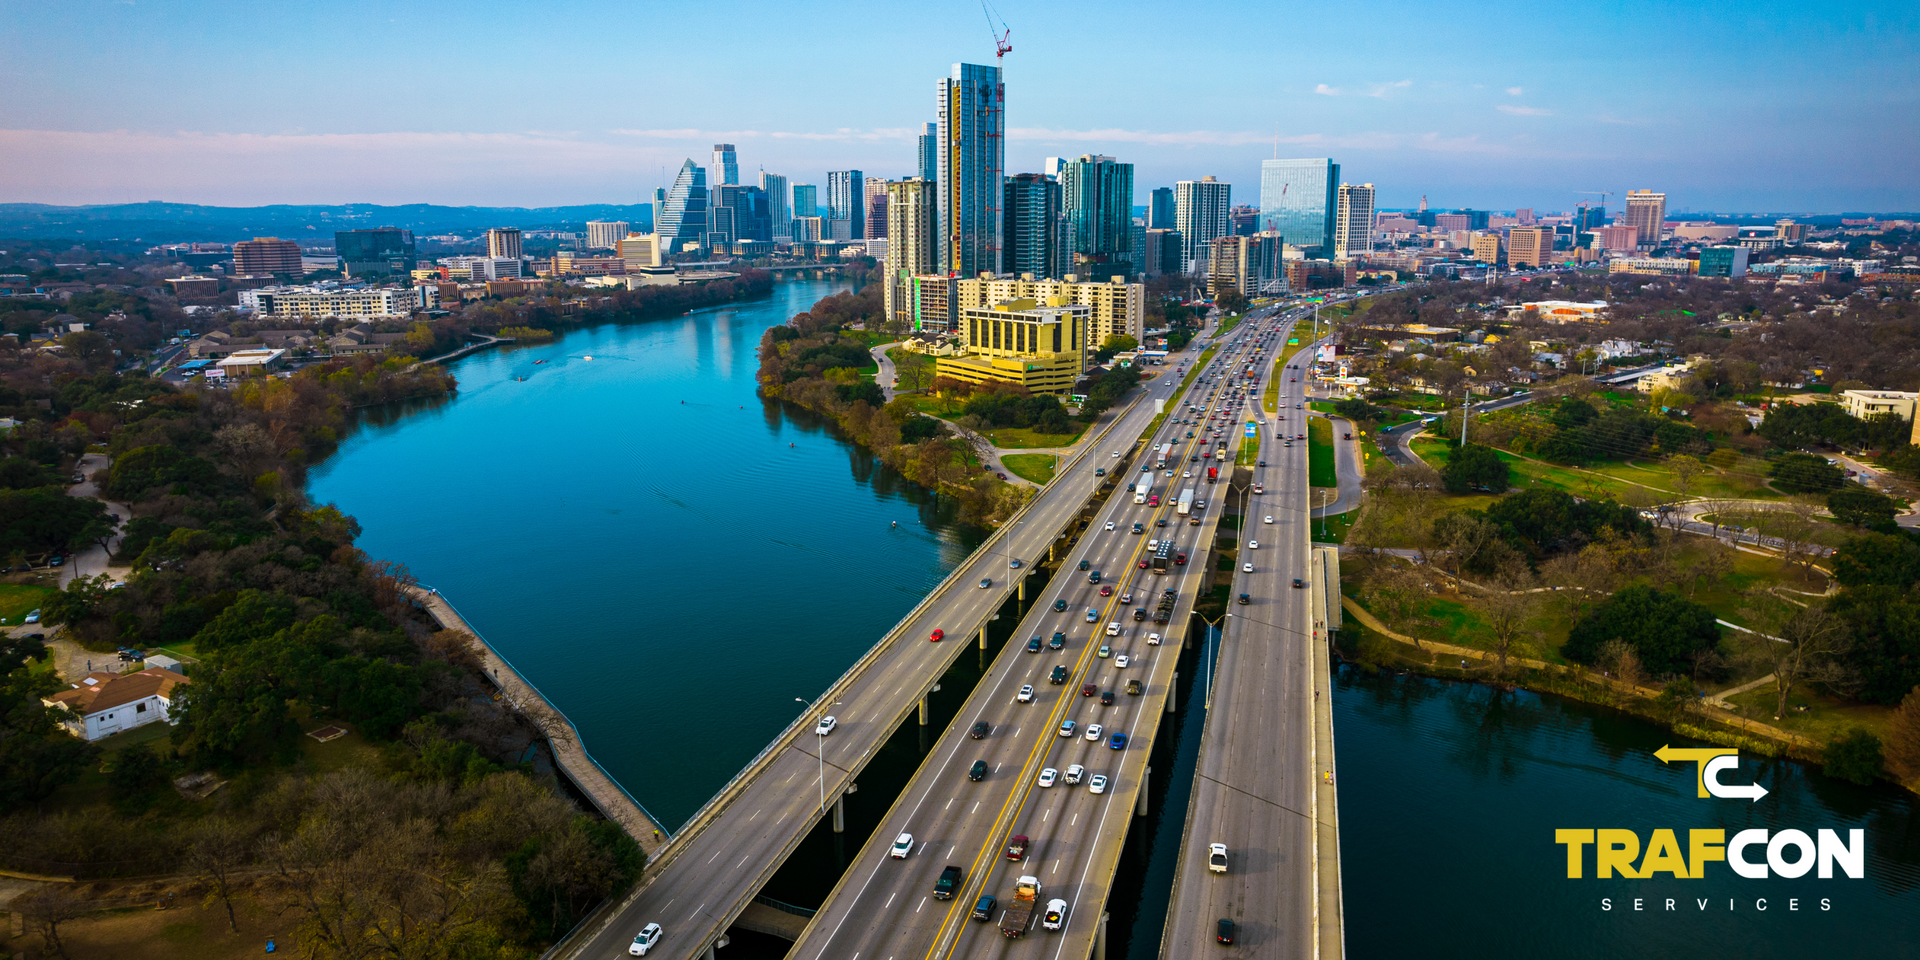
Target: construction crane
<point>998,28</point>
<point>1602,194</point>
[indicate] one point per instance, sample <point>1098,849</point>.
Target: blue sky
<point>1765,106</point>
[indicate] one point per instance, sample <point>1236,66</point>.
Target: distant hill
<point>161,222</point>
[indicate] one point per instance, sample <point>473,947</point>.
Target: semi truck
<point>1164,455</point>
<point>1186,502</point>
<point>1213,474</point>
<point>1143,488</point>
<point>1020,910</point>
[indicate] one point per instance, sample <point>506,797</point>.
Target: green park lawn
<point>1232,320</point>
<point>1033,467</point>
<point>1320,467</point>
<point>19,599</point>
<point>1023,438</point>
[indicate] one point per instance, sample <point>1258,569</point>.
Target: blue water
<point>671,560</point>
<point>1450,795</point>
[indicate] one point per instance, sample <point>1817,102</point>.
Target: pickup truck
<point>1134,688</point>
<point>949,881</point>
<point>1017,847</point>
<point>1020,910</point>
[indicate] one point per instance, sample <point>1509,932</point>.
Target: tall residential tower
<point>1353,222</point>
<point>1200,213</point>
<point>973,161</point>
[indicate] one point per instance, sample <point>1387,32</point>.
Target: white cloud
<point>1524,111</point>
<point>1382,89</point>
<point>1513,91</point>
<point>1327,91</point>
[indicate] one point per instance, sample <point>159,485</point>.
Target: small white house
<point>104,703</point>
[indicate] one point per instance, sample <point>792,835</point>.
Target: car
<point>983,908</point>
<point>1088,689</point>
<point>1263,463</point>
<point>1025,695</point>
<point>1144,563</point>
<point>1059,640</point>
<point>1153,639</point>
<point>1093,616</point>
<point>1097,785</point>
<point>1139,614</point>
<point>1117,742</point>
<point>1109,525</point>
<point>936,635</point>
<point>1056,915</point>
<point>1187,473</point>
<point>1223,930</point>
<point>1074,773</point>
<point>33,616</point>
<point>1267,520</point>
<point>1126,598</point>
<point>1298,583</point>
<point>1105,651</point>
<point>1066,728</point>
<point>1106,698</point>
<point>644,940</point>
<point>1015,563</point>
<point>1033,645</point>
<point>1060,606</point>
<point>1160,522</point>
<point>1094,731</point>
<point>1047,777</point>
<point>1139,528</point>
<point>986,582</point>
<point>949,881</point>
<point>980,730</point>
<point>1093,576</point>
<point>1217,858</point>
<point>978,771</point>
<point>1017,847</point>
<point>1113,628</point>
<point>1120,662</point>
<point>1246,568</point>
<point>1253,544</point>
<point>825,726</point>
<point>1059,674</point>
<point>1246,598</point>
<point>1086,564</point>
<point>1106,591</point>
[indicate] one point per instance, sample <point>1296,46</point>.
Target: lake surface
<point>670,559</point>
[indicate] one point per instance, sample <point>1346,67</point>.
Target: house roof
<point>101,690</point>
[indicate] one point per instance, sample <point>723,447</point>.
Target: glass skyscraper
<point>930,153</point>
<point>683,216</point>
<point>973,161</point>
<point>1097,199</point>
<point>1160,210</point>
<point>806,201</point>
<point>779,214</point>
<point>1297,201</point>
<point>1200,214</point>
<point>847,200</point>
<point>726,163</point>
<point>1033,229</point>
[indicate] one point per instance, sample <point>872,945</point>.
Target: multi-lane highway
<point>709,872</point>
<point>884,907</point>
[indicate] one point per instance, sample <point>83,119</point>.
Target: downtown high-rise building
<point>606,234</point>
<point>970,184</point>
<point>779,204</point>
<point>682,217</point>
<point>1647,213</point>
<point>1530,246</point>
<point>875,203</point>
<point>806,201</point>
<point>1353,221</point>
<point>846,204</point>
<point>1032,234</point>
<point>1200,214</point>
<point>726,163</point>
<point>381,250</point>
<point>263,256</point>
<point>910,252</point>
<point>1160,209</point>
<point>1097,200</point>
<point>1297,201</point>
<point>930,153</point>
<point>739,213</point>
<point>504,242</point>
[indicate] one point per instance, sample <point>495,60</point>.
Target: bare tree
<point>46,910</point>
<point>219,848</point>
<point>1620,661</point>
<point>1685,470</point>
<point>1713,564</point>
<point>1507,608</point>
<point>1807,644</point>
<point>1399,594</point>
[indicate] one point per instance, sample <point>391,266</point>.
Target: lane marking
<point>923,903</point>
<point>890,897</point>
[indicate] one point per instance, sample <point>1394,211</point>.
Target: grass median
<point>1320,468</point>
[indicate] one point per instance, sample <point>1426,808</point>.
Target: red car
<point>1106,591</point>
<point>937,634</point>
<point>1089,690</point>
<point>1143,564</point>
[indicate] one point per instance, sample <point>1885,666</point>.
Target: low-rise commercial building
<point>1874,403</point>
<point>1652,266</point>
<point>1041,348</point>
<point>103,703</point>
<point>1561,311</point>
<point>1115,307</point>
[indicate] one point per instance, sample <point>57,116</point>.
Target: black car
<point>1245,598</point>
<point>1222,930</point>
<point>1060,606</point>
<point>949,881</point>
<point>1106,698</point>
<point>1093,577</point>
<point>1059,675</point>
<point>1059,640</point>
<point>1297,582</point>
<point>1033,646</point>
<point>983,908</point>
<point>1086,564</point>
<point>1139,613</point>
<point>980,731</point>
<point>976,773</point>
<point>1160,522</point>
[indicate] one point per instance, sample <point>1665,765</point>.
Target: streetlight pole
<point>1206,651</point>
<point>820,751</point>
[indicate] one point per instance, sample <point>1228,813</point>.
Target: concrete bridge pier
<point>840,814</point>
<point>1022,594</point>
<point>1173,691</point>
<point>1099,939</point>
<point>983,642</point>
<point>923,709</point>
<point>1140,809</point>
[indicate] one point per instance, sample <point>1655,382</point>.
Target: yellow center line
<point>1002,822</point>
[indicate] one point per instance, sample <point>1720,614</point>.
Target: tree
<point>1231,301</point>
<point>137,773</point>
<point>1507,609</point>
<point>1854,757</point>
<point>1901,748</point>
<point>45,910</point>
<point>1399,594</point>
<point>218,850</point>
<point>1712,565</point>
<point>1685,470</point>
<point>1473,467</point>
<point>1677,698</point>
<point>1663,628</point>
<point>1799,644</point>
<point>1805,473</point>
<point>1891,559</point>
<point>1861,507</point>
<point>1461,537</point>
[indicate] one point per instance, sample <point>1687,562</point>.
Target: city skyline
<point>1483,112</point>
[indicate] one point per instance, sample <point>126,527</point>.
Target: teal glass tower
<point>1298,201</point>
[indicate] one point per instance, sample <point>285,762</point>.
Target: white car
<point>1047,776</point>
<point>1153,639</point>
<point>1109,524</point>
<point>1113,628</point>
<point>1217,857</point>
<point>1094,731</point>
<point>1075,772</point>
<point>825,726</point>
<point>1253,544</point>
<point>1186,473</point>
<point>902,845</point>
<point>1246,568</point>
<point>1026,694</point>
<point>1097,785</point>
<point>1120,662</point>
<point>1269,520</point>
<point>648,936</point>
<point>1056,915</point>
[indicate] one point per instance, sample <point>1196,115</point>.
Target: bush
<point>1854,757</point>
<point>1665,629</point>
<point>1861,507</point>
<point>1472,467</point>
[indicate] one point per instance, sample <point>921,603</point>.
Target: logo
<point>1713,762</point>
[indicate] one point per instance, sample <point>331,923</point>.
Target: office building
<point>806,200</point>
<point>1033,233</point>
<point>383,250</point>
<point>1200,214</point>
<point>1647,213</point>
<point>779,205</point>
<point>504,242</point>
<point>1353,221</point>
<point>875,199</point>
<point>1096,198</point>
<point>1243,221</point>
<point>925,303</point>
<point>910,246</point>
<point>263,256</point>
<point>809,229</point>
<point>1726,262</point>
<point>846,200</point>
<point>1304,275</point>
<point>930,152</point>
<point>1486,248</point>
<point>1137,245</point>
<point>1879,403</point>
<point>1451,222</point>
<point>1789,231</point>
<point>1043,348</point>
<point>1114,307</point>
<point>683,216</point>
<point>1529,246</point>
<point>1619,238</point>
<point>1160,209</point>
<point>605,234</point>
<point>970,183</point>
<point>740,213</point>
<point>1233,264</point>
<point>1653,266</point>
<point>1162,251</point>
<point>1298,200</point>
<point>1524,215</point>
<point>726,164</point>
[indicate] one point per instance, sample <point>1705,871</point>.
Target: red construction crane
<point>1000,32</point>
